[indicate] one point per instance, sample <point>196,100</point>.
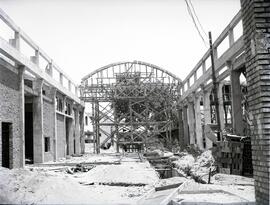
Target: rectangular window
<point>86,120</point>
<point>67,109</point>
<point>59,104</point>
<point>47,144</point>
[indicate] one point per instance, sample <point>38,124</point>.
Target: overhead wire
<point>198,20</point>
<point>195,24</point>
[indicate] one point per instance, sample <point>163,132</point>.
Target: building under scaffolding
<point>134,104</point>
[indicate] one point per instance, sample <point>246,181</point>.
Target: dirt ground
<point>113,179</point>
<point>54,185</point>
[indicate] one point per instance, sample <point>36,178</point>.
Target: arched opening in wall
<point>29,146</point>
<point>212,109</point>
<point>244,103</point>
<point>204,144</point>
<point>227,104</point>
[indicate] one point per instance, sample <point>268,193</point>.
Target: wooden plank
<point>72,164</point>
<point>171,186</point>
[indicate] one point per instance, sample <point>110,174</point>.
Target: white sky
<point>83,35</point>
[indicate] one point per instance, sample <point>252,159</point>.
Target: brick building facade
<point>256,27</point>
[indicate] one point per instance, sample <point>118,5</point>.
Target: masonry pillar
<point>71,134</point>
<point>53,92</point>
<point>181,127</point>
<point>49,69</point>
<point>207,115</point>
<point>38,140</point>
<point>35,58</point>
<point>256,31</point>
<point>191,122</point>
<point>185,121</point>
<point>221,107</point>
<point>237,114</point>
<point>77,130</point>
<point>82,138</point>
<point>65,128</point>
<point>15,42</point>
<point>22,120</point>
<point>198,122</point>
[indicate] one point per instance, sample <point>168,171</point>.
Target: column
<point>16,41</point>
<point>186,129</point>
<point>71,134</point>
<point>191,122</point>
<point>35,58</point>
<point>38,141</point>
<point>198,121</point>
<point>54,139</point>
<point>181,127</point>
<point>65,130</point>
<point>49,69</point>
<point>82,139</point>
<point>207,115</point>
<point>221,108</point>
<point>77,130</point>
<point>22,113</point>
<point>237,113</point>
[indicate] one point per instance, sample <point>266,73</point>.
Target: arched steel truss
<point>136,100</point>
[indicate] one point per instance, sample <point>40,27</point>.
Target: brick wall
<point>256,25</point>
<point>61,136</point>
<point>48,127</point>
<point>10,112</point>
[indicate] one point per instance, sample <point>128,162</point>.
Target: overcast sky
<point>83,35</point>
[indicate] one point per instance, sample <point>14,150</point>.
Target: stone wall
<point>10,108</point>
<point>256,25</point>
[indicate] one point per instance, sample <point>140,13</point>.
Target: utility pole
<point>215,87</point>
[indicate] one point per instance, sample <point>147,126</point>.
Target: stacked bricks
<point>256,27</point>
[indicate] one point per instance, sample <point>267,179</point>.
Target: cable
<point>194,21</point>
<point>197,18</point>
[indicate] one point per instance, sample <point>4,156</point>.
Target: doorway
<point>68,124</point>
<point>6,144</point>
<point>29,147</point>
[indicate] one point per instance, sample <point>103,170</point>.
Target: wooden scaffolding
<point>133,103</point>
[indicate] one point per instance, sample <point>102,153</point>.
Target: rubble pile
<point>197,167</point>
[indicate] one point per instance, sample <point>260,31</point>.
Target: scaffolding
<point>133,104</point>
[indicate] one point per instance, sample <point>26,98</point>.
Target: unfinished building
<point>41,115</point>
<point>134,104</point>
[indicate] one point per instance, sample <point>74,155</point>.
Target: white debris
<point>35,185</point>
<point>128,172</point>
<point>199,166</point>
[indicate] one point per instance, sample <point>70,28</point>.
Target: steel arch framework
<point>132,103</point>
